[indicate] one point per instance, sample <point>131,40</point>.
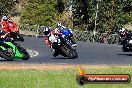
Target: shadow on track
<point>14,60</point>
<point>61,58</point>
<point>125,54</point>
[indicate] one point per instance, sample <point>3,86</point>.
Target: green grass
<point>65,78</point>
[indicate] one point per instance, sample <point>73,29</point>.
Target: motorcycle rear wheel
<point>3,55</point>
<point>124,49</point>
<point>26,56</point>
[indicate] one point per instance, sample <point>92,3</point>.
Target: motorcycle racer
<point>4,24</point>
<point>60,28</point>
<point>8,26</point>
<point>50,39</point>
<point>4,27</point>
<point>123,33</point>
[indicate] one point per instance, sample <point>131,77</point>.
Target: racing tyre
<point>75,54</point>
<point>68,52</point>
<point>124,49</point>
<point>6,55</point>
<point>26,55</point>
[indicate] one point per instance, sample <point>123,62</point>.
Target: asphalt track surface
<point>89,53</point>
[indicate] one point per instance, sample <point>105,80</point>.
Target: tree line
<point>99,15</point>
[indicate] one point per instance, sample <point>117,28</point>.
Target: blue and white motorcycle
<point>67,34</point>
<point>64,44</point>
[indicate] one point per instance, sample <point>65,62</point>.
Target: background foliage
<point>112,14</point>
<point>77,14</point>
<point>42,12</point>
<point>6,7</point>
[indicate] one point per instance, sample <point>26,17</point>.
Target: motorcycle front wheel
<point>72,54</point>
<point>6,55</point>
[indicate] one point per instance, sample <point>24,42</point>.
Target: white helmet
<point>59,25</point>
<point>122,30</point>
<point>4,18</point>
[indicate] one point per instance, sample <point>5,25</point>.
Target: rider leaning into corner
<point>60,28</point>
<point>50,38</point>
<point>7,25</point>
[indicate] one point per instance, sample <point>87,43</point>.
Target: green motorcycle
<point>10,50</point>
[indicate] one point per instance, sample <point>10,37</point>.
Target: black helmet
<point>46,31</point>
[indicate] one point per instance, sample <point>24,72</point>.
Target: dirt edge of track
<point>54,67</point>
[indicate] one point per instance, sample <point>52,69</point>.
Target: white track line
<point>34,55</point>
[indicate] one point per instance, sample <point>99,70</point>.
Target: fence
<point>84,36</point>
<point>87,36</point>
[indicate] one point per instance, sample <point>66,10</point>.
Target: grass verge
<point>62,78</point>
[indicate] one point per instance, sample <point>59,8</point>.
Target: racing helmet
<point>58,25</point>
<point>4,18</point>
<point>46,31</point>
<point>122,30</point>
